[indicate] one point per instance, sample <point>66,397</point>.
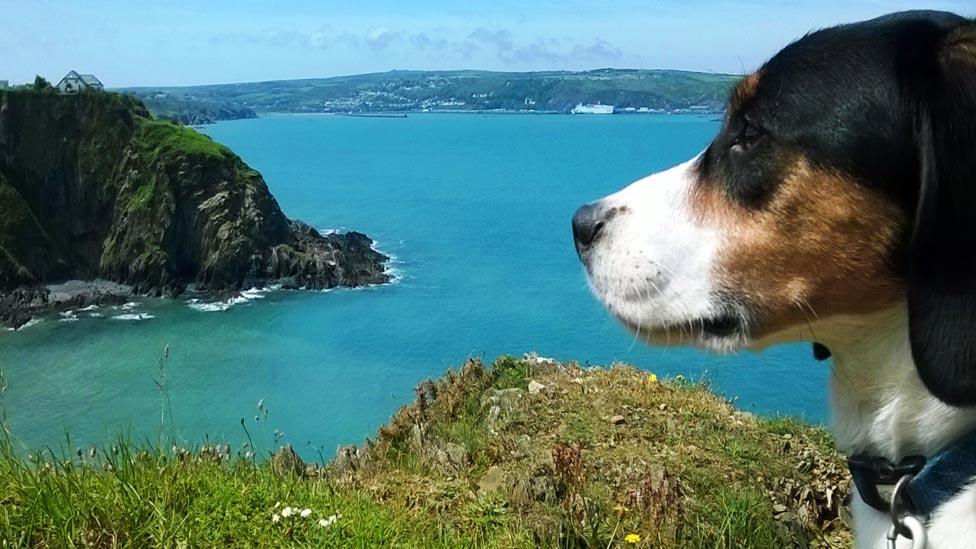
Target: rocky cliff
<point>91,186</point>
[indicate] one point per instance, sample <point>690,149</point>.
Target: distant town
<point>596,92</point>
<point>603,91</point>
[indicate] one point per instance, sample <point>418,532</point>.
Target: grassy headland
<point>93,187</point>
<point>523,453</point>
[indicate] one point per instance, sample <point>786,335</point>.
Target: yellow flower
<point>651,379</point>
<point>633,539</point>
<point>620,509</point>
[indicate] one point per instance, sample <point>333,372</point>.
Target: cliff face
<point>191,110</point>
<point>92,187</point>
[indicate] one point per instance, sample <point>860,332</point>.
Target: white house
<point>74,83</point>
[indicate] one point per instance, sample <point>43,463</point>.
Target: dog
<point>836,205</point>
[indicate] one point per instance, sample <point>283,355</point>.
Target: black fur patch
<point>836,97</point>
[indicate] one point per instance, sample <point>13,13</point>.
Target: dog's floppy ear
<point>942,254</point>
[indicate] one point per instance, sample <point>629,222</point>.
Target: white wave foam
<point>133,316</point>
<point>29,323</point>
<point>391,267</point>
<point>243,297</point>
<point>128,306</point>
<point>87,309</point>
<point>69,316</point>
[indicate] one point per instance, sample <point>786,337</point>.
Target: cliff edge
<point>92,187</point>
<point>526,453</point>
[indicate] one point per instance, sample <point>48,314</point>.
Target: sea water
<point>476,211</point>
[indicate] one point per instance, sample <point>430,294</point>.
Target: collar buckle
<point>873,475</point>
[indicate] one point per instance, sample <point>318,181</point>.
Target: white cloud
<point>500,39</point>
<point>380,38</point>
<point>452,46</point>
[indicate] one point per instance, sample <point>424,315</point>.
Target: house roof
<point>87,79</point>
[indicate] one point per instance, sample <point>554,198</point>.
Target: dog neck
<point>879,404</point>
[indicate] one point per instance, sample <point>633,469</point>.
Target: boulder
<point>287,462</point>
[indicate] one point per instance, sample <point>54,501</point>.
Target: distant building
<point>74,83</point>
<point>4,84</point>
<point>592,109</point>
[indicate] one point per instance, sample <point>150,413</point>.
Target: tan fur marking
<point>960,45</point>
<point>819,248</point>
<point>743,91</point>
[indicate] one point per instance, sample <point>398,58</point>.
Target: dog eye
<point>747,136</point>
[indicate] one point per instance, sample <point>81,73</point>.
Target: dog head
<point>842,182</point>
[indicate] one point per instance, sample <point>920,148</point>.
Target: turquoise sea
<point>476,210</point>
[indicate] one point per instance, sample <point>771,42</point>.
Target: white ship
<point>592,109</point>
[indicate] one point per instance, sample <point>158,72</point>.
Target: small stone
<point>286,461</point>
<point>662,406</point>
<point>535,387</point>
<point>779,508</point>
<point>452,458</point>
<point>618,420</point>
<point>493,479</point>
<point>541,488</point>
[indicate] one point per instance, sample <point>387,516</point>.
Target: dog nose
<point>587,224</point>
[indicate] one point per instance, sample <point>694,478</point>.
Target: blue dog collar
<point>935,480</point>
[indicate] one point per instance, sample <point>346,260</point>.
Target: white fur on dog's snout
<point>653,264</point>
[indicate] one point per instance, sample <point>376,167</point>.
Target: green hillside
<point>556,91</point>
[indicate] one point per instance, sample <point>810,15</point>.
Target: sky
<point>183,42</point>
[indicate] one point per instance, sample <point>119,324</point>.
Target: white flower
<point>287,512</point>
<point>277,504</point>
<point>306,512</point>
<point>325,523</point>
<point>275,517</point>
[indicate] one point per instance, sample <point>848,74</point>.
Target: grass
<point>142,197</point>
<point>166,140</point>
<point>155,499</point>
<point>476,461</point>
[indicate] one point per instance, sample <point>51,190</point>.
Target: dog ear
<point>942,253</point>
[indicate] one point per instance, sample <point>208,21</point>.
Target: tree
<point>40,83</point>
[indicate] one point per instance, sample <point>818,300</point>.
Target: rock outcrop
<point>91,186</point>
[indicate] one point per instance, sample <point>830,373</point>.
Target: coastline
<point>396,114</point>
<point>156,208</point>
<point>29,305</point>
